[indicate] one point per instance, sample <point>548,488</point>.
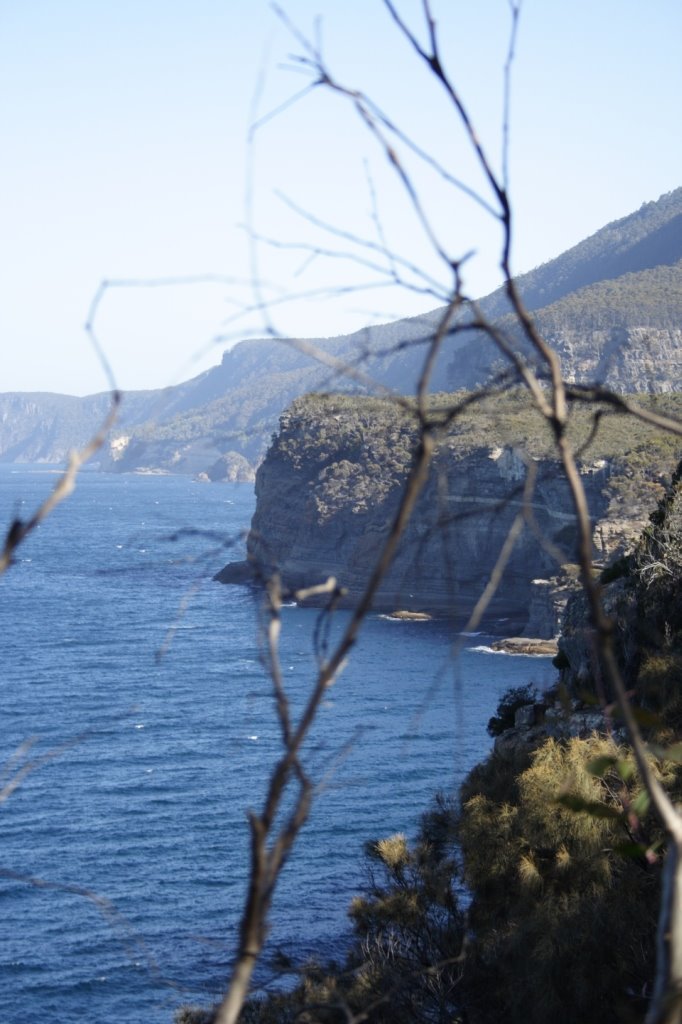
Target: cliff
<point>331,482</point>
<point>624,333</point>
<point>642,597</point>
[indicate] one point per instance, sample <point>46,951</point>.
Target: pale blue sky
<point>124,132</point>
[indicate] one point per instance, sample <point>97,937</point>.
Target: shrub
<point>513,699</point>
<point>562,922</point>
<point>193,1015</point>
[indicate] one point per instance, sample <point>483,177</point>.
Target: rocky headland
<point>329,488</point>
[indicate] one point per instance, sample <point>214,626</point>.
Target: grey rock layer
<point>316,519</point>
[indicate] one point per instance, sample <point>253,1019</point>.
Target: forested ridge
<point>611,305</point>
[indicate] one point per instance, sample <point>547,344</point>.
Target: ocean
<point>138,723</point>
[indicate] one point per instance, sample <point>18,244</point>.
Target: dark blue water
<point>136,686</point>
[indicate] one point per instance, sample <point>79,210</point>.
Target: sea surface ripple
<point>136,699</point>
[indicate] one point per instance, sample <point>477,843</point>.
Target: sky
<point>179,149</point>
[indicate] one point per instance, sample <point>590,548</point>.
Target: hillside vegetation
<point>348,437</point>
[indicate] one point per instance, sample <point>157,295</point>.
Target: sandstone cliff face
<point>324,507</point>
<point>626,358</point>
<point>640,359</point>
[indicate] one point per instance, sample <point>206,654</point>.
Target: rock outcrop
<point>642,597</point>
<point>526,645</point>
<point>329,489</point>
<point>233,468</point>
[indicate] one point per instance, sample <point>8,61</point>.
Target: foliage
<point>659,555</point>
<point>409,927</point>
<point>651,297</point>
<point>643,598</point>
<point>559,857</point>
<point>563,923</point>
<point>657,608</point>
<point>514,698</point>
<point>243,419</point>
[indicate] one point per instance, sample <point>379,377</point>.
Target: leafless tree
<point>272,836</point>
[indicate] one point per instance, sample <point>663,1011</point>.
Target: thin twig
<point>20,529</point>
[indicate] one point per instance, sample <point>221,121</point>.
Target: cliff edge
<point>329,488</point>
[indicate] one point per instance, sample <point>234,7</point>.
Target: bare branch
<point>395,260</point>
<point>515,9</point>
<point>550,393</point>
<point>596,393</point>
<point>433,60</point>
<point>65,485</point>
<point>266,862</point>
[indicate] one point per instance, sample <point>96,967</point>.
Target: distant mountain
<point>44,427</point>
<point>611,306</point>
<point>650,237</point>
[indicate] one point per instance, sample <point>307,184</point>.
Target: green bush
<point>562,923</point>
<point>409,927</point>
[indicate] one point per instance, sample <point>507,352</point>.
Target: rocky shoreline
<point>244,573</point>
<point>527,645</point>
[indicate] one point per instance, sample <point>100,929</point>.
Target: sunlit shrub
<point>563,922</point>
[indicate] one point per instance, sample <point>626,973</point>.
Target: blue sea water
<point>133,689</point>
